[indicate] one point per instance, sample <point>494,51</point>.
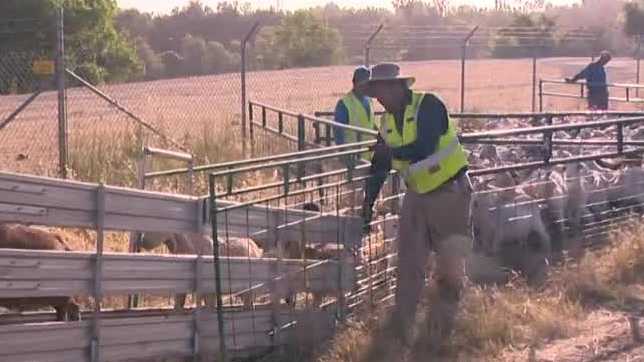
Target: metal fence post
<point>135,300</point>
<point>98,271</point>
<point>540,95</point>
<point>463,56</point>
<point>251,127</point>
<point>62,97</point>
<point>190,182</point>
<point>534,81</point>
<point>620,138</point>
<point>367,46</point>
<point>639,49</point>
<point>243,83</point>
<point>301,132</point>
<point>301,142</point>
<point>217,269</point>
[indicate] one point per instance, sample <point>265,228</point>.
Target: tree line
<point>108,44</point>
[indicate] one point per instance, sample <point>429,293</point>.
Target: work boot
<point>444,301</point>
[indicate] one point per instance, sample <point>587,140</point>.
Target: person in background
<point>595,76</point>
<point>356,109</point>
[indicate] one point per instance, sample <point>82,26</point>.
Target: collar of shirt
<point>399,116</point>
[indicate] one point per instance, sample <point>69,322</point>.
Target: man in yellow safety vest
<point>356,109</point>
<point>436,207</point>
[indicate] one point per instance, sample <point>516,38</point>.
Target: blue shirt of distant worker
<point>361,115</point>
<point>595,76</point>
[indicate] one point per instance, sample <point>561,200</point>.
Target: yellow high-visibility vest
<point>432,172</point>
<point>359,117</point>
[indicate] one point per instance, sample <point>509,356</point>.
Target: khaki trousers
<point>438,221</point>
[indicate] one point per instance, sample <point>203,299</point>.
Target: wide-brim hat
<point>386,72</point>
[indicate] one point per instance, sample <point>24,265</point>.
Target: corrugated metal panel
<point>130,338</point>
<point>44,201</point>
<point>26,273</point>
<point>150,337</point>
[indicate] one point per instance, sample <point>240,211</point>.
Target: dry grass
<point>514,316</point>
<point>604,275</point>
<point>197,109</point>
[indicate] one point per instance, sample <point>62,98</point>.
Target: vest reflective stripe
<point>358,117</point>
<point>436,169</point>
<point>433,160</point>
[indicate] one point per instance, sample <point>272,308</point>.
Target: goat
<point>630,193</point>
<point>16,236</point>
<point>511,230</point>
<point>199,244</point>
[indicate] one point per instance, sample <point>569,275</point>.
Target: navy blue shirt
<point>342,116</point>
<point>595,75</point>
<point>433,120</point>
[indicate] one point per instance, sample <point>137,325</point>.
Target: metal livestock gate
<point>291,292</point>
<point>631,91</point>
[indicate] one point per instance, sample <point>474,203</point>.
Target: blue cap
<point>361,74</point>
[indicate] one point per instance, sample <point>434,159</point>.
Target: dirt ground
<point>604,336</point>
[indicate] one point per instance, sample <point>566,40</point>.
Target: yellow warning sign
<point>44,67</point>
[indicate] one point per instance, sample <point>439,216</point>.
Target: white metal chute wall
<point>30,274</point>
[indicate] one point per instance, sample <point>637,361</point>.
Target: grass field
<point>204,112</point>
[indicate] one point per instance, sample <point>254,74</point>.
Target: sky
<point>165,6</point>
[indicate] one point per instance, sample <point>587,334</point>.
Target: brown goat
<point>15,236</point>
<point>199,244</point>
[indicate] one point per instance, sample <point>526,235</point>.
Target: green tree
<point>193,50</point>
<point>92,42</point>
<point>265,52</point>
<point>154,68</point>
<point>302,39</point>
<point>634,18</point>
<point>134,23</point>
<point>172,62</point>
<point>525,35</point>
<point>219,59</point>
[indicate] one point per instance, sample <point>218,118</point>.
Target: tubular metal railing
<point>631,91</point>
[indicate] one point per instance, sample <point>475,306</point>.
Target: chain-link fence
<point>473,69</point>
<point>204,113</point>
<point>102,130</point>
<point>28,126</point>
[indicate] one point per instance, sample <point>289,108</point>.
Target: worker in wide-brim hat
<point>356,109</point>
<point>427,154</point>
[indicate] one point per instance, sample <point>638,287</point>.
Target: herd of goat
<point>523,216</point>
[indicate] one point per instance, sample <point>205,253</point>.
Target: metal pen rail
<point>321,127</point>
<point>627,87</point>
